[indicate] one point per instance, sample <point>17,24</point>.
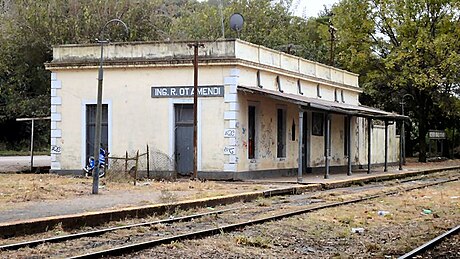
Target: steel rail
<point>57,239</point>
<point>212,231</point>
<point>419,250</point>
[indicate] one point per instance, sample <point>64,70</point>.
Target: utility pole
<point>195,47</point>
<point>332,31</point>
<point>221,8</point>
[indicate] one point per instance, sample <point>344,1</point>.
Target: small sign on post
<point>437,134</point>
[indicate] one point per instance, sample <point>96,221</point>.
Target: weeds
<point>58,230</point>
<point>262,202</point>
<point>175,245</point>
<point>167,196</point>
<point>253,241</point>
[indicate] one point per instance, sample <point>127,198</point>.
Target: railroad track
<point>430,244</point>
<point>98,232</point>
<point>181,228</point>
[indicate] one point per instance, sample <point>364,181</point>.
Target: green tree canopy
<point>29,29</point>
<point>404,47</point>
<point>397,47</point>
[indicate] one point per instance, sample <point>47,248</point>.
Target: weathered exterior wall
<point>266,134</point>
<point>378,143</point>
<point>337,140</point>
<point>135,118</point>
<point>270,57</point>
<point>141,51</point>
<point>338,136</point>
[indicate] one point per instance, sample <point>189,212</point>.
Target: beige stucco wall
<point>135,118</point>
<point>259,54</point>
<point>337,140</point>
<point>338,136</point>
<point>266,134</point>
<point>141,51</point>
<point>378,143</point>
<point>248,77</point>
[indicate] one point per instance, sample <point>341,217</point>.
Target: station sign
<point>187,91</point>
<point>437,134</point>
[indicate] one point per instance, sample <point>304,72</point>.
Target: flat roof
<point>222,51</point>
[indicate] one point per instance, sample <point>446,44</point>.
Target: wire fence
<point>135,165</point>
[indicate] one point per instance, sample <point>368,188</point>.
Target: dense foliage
<point>405,48</point>
<point>398,47</point>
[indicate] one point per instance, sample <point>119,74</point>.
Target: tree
<point>29,29</point>
<point>403,47</point>
<point>397,47</point>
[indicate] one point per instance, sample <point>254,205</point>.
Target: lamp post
<point>403,132</point>
<point>97,139</point>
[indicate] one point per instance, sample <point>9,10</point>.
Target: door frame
<point>172,125</point>
<point>83,126</point>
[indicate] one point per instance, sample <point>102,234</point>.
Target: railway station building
<point>261,112</point>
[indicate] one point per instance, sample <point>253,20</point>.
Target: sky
<point>312,7</point>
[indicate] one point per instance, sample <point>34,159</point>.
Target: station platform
<point>377,173</point>
<point>113,205</point>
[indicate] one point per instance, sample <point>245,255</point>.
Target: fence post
<point>126,162</point>
<point>135,169</point>
<point>148,162</point>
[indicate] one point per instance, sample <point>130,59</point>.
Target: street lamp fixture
<point>97,139</point>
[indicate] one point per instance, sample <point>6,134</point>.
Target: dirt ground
<point>17,188</point>
<point>413,218</point>
<point>21,163</point>
<point>27,196</point>
<point>413,162</point>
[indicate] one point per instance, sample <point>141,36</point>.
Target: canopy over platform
<point>318,104</point>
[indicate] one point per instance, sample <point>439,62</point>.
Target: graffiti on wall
<point>230,133</point>
<point>229,150</point>
<point>266,141</point>
<point>55,149</point>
